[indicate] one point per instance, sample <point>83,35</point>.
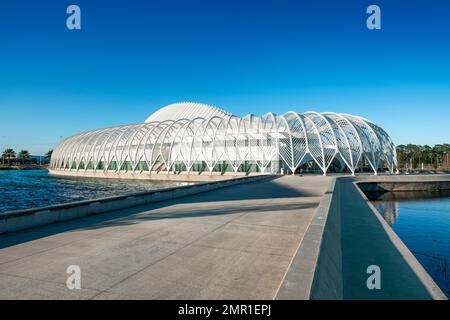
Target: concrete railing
<point>24,219</point>
<point>345,237</point>
<point>316,269</point>
<point>328,276</point>
<point>413,275</point>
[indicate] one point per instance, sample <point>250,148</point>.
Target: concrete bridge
<point>281,237</point>
<point>231,243</point>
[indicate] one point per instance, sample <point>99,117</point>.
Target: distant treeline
<point>413,156</point>
<point>10,157</point>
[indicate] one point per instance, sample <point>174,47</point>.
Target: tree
<point>23,156</point>
<point>49,153</point>
<point>440,152</point>
<point>9,154</point>
<point>446,154</point>
<point>414,155</point>
<point>427,154</point>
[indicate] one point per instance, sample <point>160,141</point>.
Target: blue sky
<point>132,57</point>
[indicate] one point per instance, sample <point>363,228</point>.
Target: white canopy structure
<point>194,137</point>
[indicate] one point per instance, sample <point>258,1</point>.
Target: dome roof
<point>186,110</point>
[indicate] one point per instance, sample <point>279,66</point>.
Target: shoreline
<point>23,167</point>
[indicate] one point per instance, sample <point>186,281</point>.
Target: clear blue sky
<point>132,57</point>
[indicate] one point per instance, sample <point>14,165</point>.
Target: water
<point>24,189</point>
<point>422,221</point>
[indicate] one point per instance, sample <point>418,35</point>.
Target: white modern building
<point>198,139</point>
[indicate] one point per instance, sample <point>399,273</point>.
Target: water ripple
<point>36,188</point>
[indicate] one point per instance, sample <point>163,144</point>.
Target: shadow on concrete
<point>267,189</point>
<point>270,188</point>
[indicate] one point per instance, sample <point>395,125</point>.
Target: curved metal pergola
<point>212,137</point>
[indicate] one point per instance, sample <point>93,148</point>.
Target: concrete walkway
<point>368,240</point>
<point>232,243</point>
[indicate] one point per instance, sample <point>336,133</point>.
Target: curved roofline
<point>188,110</point>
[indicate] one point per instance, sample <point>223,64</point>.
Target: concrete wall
<point>328,277</point>
<point>367,239</point>
<point>23,219</point>
<point>362,238</point>
<point>316,269</point>
<point>346,236</point>
<point>404,186</point>
<point>405,183</point>
<point>182,176</point>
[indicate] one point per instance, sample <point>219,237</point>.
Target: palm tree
<point>23,156</point>
<point>9,154</point>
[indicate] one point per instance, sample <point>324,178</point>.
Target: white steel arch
<point>196,137</point>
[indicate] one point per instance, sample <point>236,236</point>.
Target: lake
<point>422,221</point>
<point>24,189</point>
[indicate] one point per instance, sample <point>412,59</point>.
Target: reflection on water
<point>387,203</point>
<point>388,209</point>
<point>422,221</point>
<point>35,188</point>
